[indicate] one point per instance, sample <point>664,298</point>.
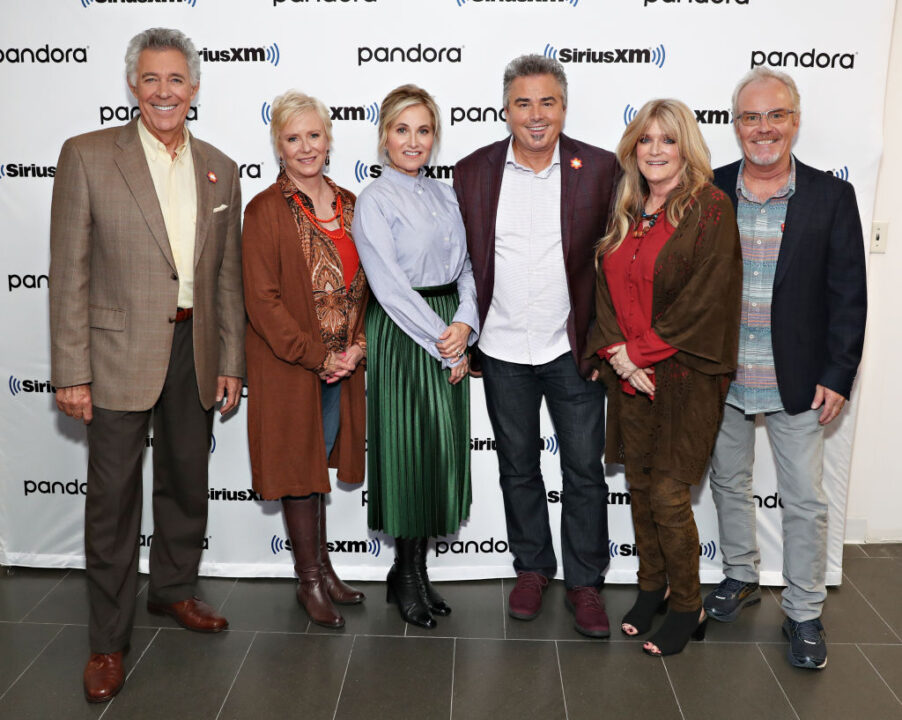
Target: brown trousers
<point>666,536</point>
<point>181,452</point>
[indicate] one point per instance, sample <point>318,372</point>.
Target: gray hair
<point>534,64</point>
<point>161,39</point>
<point>765,73</point>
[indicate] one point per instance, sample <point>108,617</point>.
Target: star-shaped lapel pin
<point>576,163</point>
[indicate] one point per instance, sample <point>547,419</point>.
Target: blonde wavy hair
<point>677,122</point>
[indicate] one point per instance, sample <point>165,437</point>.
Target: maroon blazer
<point>589,178</point>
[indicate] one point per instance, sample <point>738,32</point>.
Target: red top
<point>350,261</point>
<point>630,273</point>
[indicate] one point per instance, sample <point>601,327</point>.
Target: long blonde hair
<point>677,122</point>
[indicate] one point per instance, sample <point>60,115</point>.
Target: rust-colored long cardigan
<point>695,308</point>
<point>284,347</point>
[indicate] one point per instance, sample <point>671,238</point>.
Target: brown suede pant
<point>666,536</point>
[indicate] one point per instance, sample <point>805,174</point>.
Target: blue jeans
<point>514,395</point>
<point>331,418</point>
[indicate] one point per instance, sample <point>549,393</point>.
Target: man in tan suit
<point>147,321</point>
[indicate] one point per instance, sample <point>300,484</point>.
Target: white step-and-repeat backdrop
<point>61,65</point>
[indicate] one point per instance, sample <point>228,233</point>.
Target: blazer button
<point>174,276</point>
<point>172,319</point>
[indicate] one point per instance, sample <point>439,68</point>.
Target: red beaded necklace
<point>336,234</point>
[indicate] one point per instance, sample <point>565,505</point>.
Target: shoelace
<point>728,587</point>
<point>530,581</point>
<point>808,632</point>
<point>589,596</point>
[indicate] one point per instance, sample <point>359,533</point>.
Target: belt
<point>182,314</point>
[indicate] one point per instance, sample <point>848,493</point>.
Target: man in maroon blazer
<point>534,205</point>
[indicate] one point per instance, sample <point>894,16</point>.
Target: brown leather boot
<point>338,591</point>
<point>302,520</point>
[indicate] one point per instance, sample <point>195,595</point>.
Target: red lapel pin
<point>576,163</point>
<point>211,176</point>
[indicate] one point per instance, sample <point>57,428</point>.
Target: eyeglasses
<point>774,117</point>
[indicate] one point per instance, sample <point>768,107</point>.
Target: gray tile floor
<point>478,663</point>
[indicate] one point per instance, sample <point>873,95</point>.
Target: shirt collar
<point>408,182</point>
<point>786,191</point>
<point>512,161</point>
<point>154,145</point>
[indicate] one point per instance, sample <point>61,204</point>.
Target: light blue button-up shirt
<point>754,388</point>
<point>409,233</point>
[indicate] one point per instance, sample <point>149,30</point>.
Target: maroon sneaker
<point>589,617</point>
<point>525,600</point>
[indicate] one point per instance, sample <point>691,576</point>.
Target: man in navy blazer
<point>804,303</point>
<point>535,205</point>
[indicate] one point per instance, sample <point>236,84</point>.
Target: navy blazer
<point>588,180</point>
<point>819,304</point>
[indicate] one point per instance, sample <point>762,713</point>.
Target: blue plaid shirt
<point>754,389</point>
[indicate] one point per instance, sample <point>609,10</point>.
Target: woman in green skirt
<point>421,319</point>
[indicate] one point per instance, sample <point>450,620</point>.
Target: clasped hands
<point>639,378</point>
<point>452,345</point>
<point>340,365</point>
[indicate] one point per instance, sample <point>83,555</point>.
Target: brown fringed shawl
<point>696,306</point>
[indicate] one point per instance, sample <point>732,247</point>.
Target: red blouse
<point>350,261</point>
<point>630,273</point>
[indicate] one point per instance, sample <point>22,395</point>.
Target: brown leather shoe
<point>191,614</point>
<point>103,677</point>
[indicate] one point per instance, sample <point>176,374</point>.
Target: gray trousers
<point>797,442</point>
<point>181,452</point>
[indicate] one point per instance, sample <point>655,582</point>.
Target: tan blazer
<point>113,282</point>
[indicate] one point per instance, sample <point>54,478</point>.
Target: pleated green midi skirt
<point>418,429</point>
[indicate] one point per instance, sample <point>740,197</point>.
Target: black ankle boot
<point>404,586</point>
<point>640,615</point>
<point>674,634</point>
<point>435,602</point>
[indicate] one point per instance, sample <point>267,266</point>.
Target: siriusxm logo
<point>189,3</point>
<point>43,55</point>
<point>415,54</point>
<point>646,3</point>
<point>549,444</point>
<point>807,59</point>
<point>651,56</point>
<point>842,173</point>
<point>28,282</point>
<point>362,171</point>
<point>371,545</point>
<point>234,495</point>
<point>43,487</point>
<point>17,386</point>
<point>459,547</point>
<point>708,549</point>
<point>477,114</point>
<point>571,3</point>
<point>614,498</point>
<point>124,113</point>
<point>370,112</point>
<point>20,170</point>
<point>269,53</point>
<point>702,117</point>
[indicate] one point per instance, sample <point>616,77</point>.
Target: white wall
<point>875,496</point>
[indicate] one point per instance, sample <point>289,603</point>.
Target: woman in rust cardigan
<point>667,322</point>
<point>305,294</point>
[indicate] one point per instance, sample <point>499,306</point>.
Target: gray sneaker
<point>725,601</point>
<point>807,643</point>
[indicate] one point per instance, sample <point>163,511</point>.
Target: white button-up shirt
<point>527,320</point>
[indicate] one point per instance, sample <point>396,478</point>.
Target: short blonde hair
<point>678,122</point>
<point>396,102</point>
<point>288,106</point>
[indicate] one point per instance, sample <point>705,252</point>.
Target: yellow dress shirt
<point>174,181</point>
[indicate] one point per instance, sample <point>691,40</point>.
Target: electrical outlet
<point>879,237</point>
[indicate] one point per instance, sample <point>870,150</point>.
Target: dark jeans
<point>514,394</point>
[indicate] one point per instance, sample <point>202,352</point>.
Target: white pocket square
<point>220,208</point>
